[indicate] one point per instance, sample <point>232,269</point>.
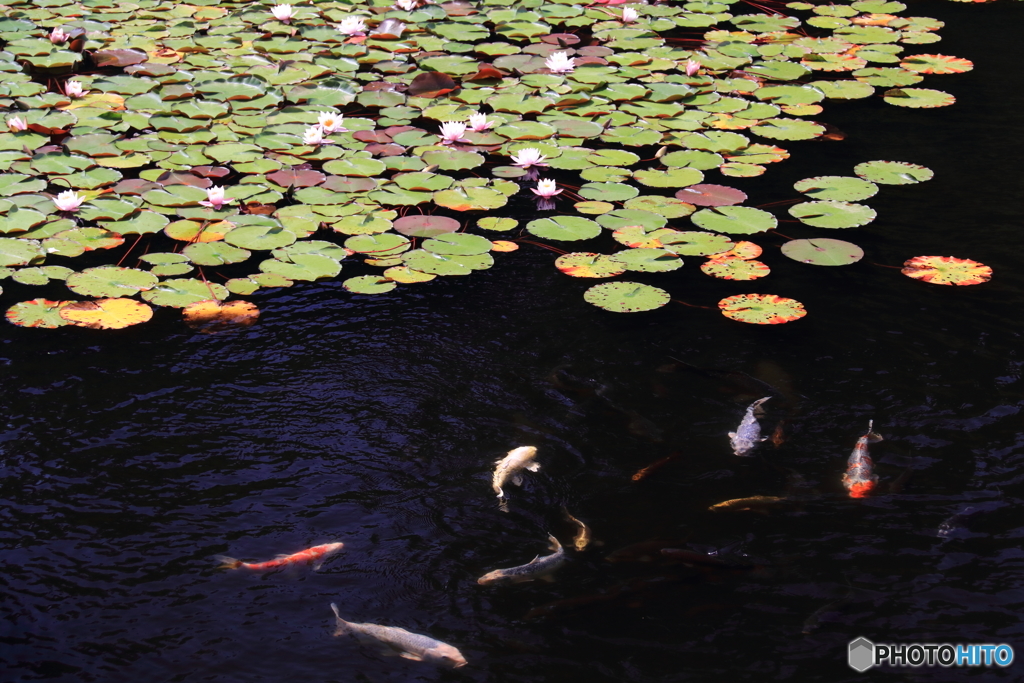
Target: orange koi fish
<point>318,554</point>
<point>860,479</point>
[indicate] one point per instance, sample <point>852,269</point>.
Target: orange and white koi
<point>860,478</point>
<point>318,554</point>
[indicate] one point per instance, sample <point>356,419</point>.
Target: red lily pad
<point>425,226</point>
<point>947,270</point>
<point>431,84</point>
<point>761,309</point>
<point>711,195</point>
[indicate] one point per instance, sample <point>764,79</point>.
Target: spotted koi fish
<point>318,554</point>
<point>860,478</point>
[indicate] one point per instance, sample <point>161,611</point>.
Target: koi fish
<point>318,554</point>
<point>860,478</point>
<point>583,536</point>
<point>538,568</point>
<point>643,473</point>
<point>754,504</point>
<point>512,466</point>
<point>748,434</point>
<point>398,641</point>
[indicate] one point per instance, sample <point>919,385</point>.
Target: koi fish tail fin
<point>342,626</point>
<point>503,503</point>
<point>872,435</point>
<point>554,544</point>
<point>227,562</point>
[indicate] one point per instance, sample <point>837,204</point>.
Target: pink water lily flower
<point>451,132</point>
<point>215,197</point>
<point>283,13</point>
<point>545,188</point>
<point>68,201</point>
<point>331,122</point>
<point>58,36</point>
<point>73,89</point>
<point>629,15</point>
<point>528,157</point>
<point>17,124</point>
<point>352,26</point>
<point>560,63</point>
<point>478,122</point>
<point>692,67</point>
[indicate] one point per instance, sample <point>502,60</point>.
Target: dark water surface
<point>131,458</point>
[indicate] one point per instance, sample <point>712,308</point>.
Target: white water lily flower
<point>451,132</point>
<point>59,36</point>
<point>68,201</point>
<point>16,124</point>
<point>478,122</point>
<point>331,122</point>
<point>528,157</point>
<point>314,135</point>
<point>73,89</point>
<point>692,67</point>
<point>407,5</point>
<point>560,63</point>
<point>352,26</point>
<point>545,188</point>
<point>629,15</point>
<point>283,12</point>
<point>215,197</point>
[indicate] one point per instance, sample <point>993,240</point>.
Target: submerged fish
<point>538,568</point>
<point>643,473</point>
<point>511,467</point>
<point>860,478</point>
<point>748,434</point>
<point>753,503</point>
<point>398,641</point>
<point>812,622</point>
<point>318,554</point>
<point>955,523</point>
<point>583,536</point>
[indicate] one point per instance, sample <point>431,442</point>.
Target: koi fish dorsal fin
<point>533,467</point>
<point>554,544</point>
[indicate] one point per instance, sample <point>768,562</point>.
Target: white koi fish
<point>860,478</point>
<point>511,468</point>
<point>538,568</point>
<point>398,641</point>
<point>748,434</point>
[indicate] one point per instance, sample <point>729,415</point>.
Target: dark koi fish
<point>860,478</point>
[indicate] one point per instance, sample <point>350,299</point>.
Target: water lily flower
<point>692,67</point>
<point>407,5</point>
<point>283,13</point>
<point>314,135</point>
<point>58,36</point>
<point>68,201</point>
<point>629,15</point>
<point>451,132</point>
<point>352,26</point>
<point>528,157</point>
<point>215,197</point>
<point>331,122</point>
<point>17,124</point>
<point>560,63</point>
<point>478,122</point>
<point>546,188</point>
<point>73,89</point>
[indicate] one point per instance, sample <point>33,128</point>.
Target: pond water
<point>130,459</point>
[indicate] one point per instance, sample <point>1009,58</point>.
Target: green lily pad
<point>588,264</point>
<point>91,238</point>
<point>492,223</point>
<point>694,243</point>
<point>669,207</point>
<point>893,172</point>
<point>214,253</point>
<point>918,98</point>
<point>302,267</point>
<point>110,282</point>
<point>734,220</point>
<point>259,238</point>
<point>761,309</point>
<point>41,313</point>
<point>182,292</point>
<point>837,187</point>
<point>673,177</point>
<point>734,269</point>
<point>19,252</point>
<point>566,228</point>
<point>788,129</point>
<point>609,192</point>
<point>369,284</point>
<point>470,199</point>
<point>823,252</point>
<point>460,243</point>
<point>379,246</point>
<point>626,297</point>
<point>20,220</point>
<point>831,214</point>
<point>446,264</point>
<point>648,260</point>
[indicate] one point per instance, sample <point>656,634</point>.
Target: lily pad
<point>712,195</point>
<point>488,223</point>
<point>217,316</point>
<point>626,297</point>
<point>461,243</point>
<point>837,187</point>
<point>106,314</point>
<point>37,313</point>
<point>21,252</point>
<point>260,237</point>
<point>110,281</point>
<point>823,251</point>
<point>566,228</point>
<point>430,226</point>
<point>648,260</point>
<point>407,275</point>
<point>307,267</point>
<point>214,253</point>
<point>442,264</point>
<point>918,98</point>
<point>735,220</point>
<point>947,270</point>
<point>830,214</point>
<point>589,264</point>
<point>734,269</point>
<point>369,284</point>
<point>761,309</point>
<point>180,292</point>
<point>893,172</point>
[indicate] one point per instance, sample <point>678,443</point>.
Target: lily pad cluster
<point>147,110</point>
